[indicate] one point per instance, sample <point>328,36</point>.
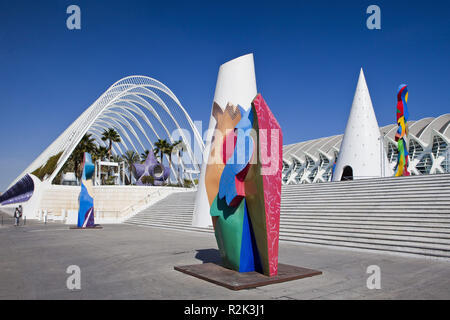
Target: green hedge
<point>48,167</point>
<point>148,180</point>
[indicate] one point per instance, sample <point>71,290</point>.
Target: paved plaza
<point>131,262</point>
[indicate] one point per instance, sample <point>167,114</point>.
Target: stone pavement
<point>132,262</point>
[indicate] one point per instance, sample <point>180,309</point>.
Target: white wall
<point>112,204</point>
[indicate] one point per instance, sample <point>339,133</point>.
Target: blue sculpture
<point>86,199</point>
<point>152,168</point>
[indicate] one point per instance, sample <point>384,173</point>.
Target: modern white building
<point>428,143</point>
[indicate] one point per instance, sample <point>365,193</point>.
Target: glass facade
<point>425,164</point>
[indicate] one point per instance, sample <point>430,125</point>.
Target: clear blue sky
<point>307,56</point>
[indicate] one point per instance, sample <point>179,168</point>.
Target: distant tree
<point>144,155</point>
<point>179,147</point>
<point>111,135</point>
<point>169,150</point>
<point>100,153</point>
<point>86,144</point>
<point>187,183</point>
<point>130,157</point>
<point>155,152</point>
<point>148,180</point>
<point>161,146</point>
<point>117,158</point>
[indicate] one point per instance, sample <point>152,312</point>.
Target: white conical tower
<point>236,83</point>
<point>362,154</point>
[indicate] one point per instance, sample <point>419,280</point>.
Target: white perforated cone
<point>361,148</point>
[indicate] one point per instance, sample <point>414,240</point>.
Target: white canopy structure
<point>142,110</point>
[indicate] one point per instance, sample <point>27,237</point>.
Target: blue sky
<point>307,57</point>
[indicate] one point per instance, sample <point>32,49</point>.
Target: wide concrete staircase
<point>405,215</point>
<point>173,212</point>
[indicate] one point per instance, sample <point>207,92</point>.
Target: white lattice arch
<point>113,109</point>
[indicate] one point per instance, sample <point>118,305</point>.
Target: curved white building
<point>428,143</point>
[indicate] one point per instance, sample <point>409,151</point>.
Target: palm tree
<point>86,144</point>
<point>100,153</point>
<point>144,155</point>
<point>111,135</point>
<point>130,157</point>
<point>117,158</point>
<point>169,150</point>
<point>155,152</point>
<point>179,147</point>
<point>161,146</point>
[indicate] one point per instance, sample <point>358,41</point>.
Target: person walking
<point>18,215</point>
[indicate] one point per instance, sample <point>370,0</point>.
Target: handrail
<point>141,202</point>
<point>119,213</point>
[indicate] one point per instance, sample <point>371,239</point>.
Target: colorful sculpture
<point>86,210</point>
<point>236,85</point>
<point>152,168</point>
<point>246,208</point>
<point>401,168</point>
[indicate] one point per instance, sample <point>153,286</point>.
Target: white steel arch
<point>120,107</point>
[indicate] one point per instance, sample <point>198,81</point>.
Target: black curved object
<point>20,192</point>
<point>347,174</point>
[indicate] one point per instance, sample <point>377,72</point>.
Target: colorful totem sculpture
<point>86,211</point>
<point>401,168</point>
<point>246,206</point>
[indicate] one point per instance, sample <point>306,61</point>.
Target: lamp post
<point>382,164</point>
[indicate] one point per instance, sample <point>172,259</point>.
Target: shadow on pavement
<point>208,255</point>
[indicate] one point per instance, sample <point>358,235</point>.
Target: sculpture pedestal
<point>234,280</point>
<point>97,226</point>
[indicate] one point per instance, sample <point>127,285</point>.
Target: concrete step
<point>425,232</point>
<point>367,220</point>
<point>294,214</point>
<point>332,187</point>
<point>368,246</point>
<point>380,235</point>
<point>379,206</point>
<point>366,210</point>
<point>364,195</point>
<point>176,226</point>
<point>168,220</point>
<point>357,184</point>
<point>404,215</point>
<point>373,241</point>
<point>400,227</point>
